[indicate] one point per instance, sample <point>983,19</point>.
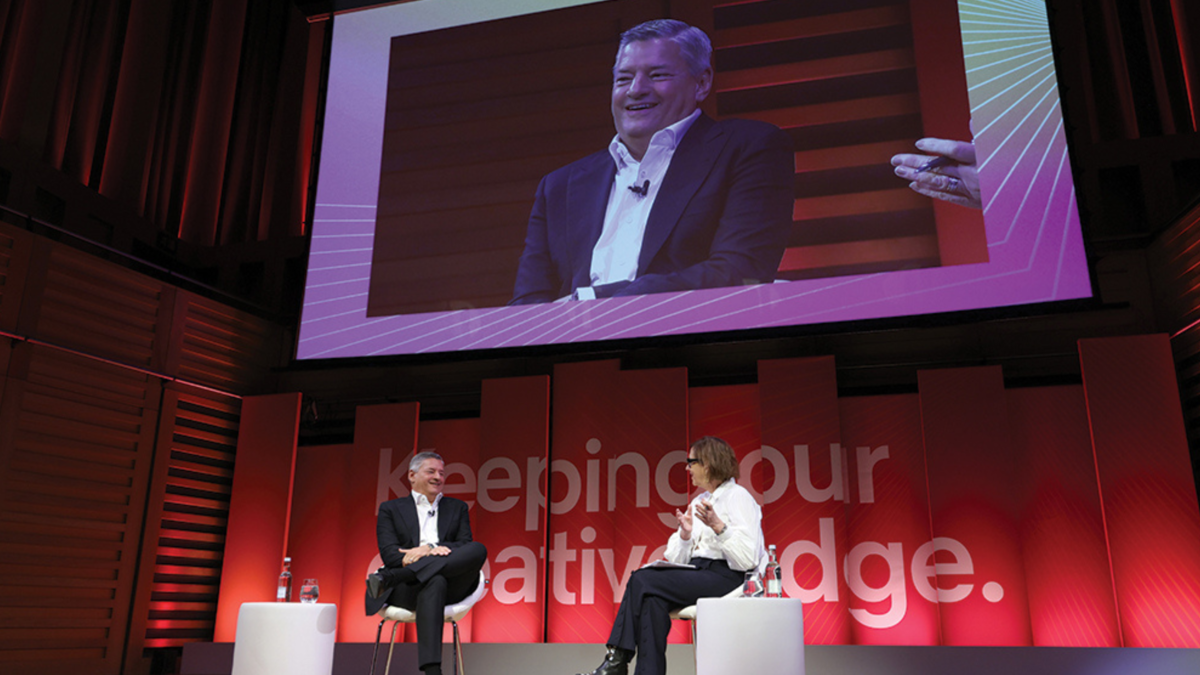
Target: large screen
<point>422,205</point>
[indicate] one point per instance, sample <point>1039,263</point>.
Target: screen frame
<point>750,334</point>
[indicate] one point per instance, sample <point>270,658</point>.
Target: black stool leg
<point>375,654</point>
<point>456,653</point>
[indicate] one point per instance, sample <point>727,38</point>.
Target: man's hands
<point>953,178</point>
<point>412,555</point>
<point>707,515</point>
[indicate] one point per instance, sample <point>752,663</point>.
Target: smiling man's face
<point>428,479</point>
<point>653,89</point>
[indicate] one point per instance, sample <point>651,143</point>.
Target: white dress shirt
<point>615,256</point>
<point>427,517</point>
<point>740,544</point>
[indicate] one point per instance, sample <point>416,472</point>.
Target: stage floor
<point>558,659</point>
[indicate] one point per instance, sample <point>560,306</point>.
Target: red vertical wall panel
<point>617,436</point>
<point>509,515</point>
<point>731,413</point>
<point>582,394</point>
<point>385,437</point>
<point>804,511</point>
<point>888,520</point>
<point>259,506</point>
<point>1071,601</point>
<point>971,472</point>
<point>1146,488</point>
<point>315,541</point>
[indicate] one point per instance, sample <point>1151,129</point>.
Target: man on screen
<point>678,201</point>
<point>429,558</point>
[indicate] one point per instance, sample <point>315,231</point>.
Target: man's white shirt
<point>615,256</point>
<point>427,517</point>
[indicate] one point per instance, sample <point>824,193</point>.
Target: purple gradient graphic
<point>1035,245</point>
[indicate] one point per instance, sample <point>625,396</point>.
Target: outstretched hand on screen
<point>946,171</point>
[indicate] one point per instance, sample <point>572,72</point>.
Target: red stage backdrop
<point>973,564</point>
<point>256,536</point>
<point>964,514</point>
<point>1071,601</point>
<point>618,436</point>
<point>376,470</point>
<point>888,525</point>
<point>510,511</point>
<point>804,477</point>
<point>1146,487</point>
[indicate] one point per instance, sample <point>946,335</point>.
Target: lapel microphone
<point>641,190</point>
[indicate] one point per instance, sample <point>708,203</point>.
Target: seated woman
<point>720,534</point>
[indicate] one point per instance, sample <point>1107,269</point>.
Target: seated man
<point>428,556</point>
<point>678,201</point>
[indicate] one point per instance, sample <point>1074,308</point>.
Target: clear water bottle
<point>773,580</point>
<point>283,593</point>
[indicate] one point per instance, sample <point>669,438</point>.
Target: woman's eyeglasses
<point>692,460</point>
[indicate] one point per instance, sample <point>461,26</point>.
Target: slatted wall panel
<point>475,117</point>
<point>186,519</point>
<point>14,259</point>
<point>840,77</point>
<point>222,347</point>
<point>100,309</point>
<point>97,464</point>
<point>1174,263</point>
<point>82,437</point>
<point>78,434</point>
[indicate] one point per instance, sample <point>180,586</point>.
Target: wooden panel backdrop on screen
<point>476,115</point>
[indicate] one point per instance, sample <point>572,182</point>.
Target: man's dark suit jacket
<point>397,527</point>
<point>721,218</point>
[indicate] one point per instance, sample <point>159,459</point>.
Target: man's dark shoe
<point>376,586</point>
<point>616,662</point>
<point>384,579</point>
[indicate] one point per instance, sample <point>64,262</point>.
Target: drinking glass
<point>753,587</point>
<point>309,591</point>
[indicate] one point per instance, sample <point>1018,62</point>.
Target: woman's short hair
<point>718,459</point>
<point>694,45</point>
